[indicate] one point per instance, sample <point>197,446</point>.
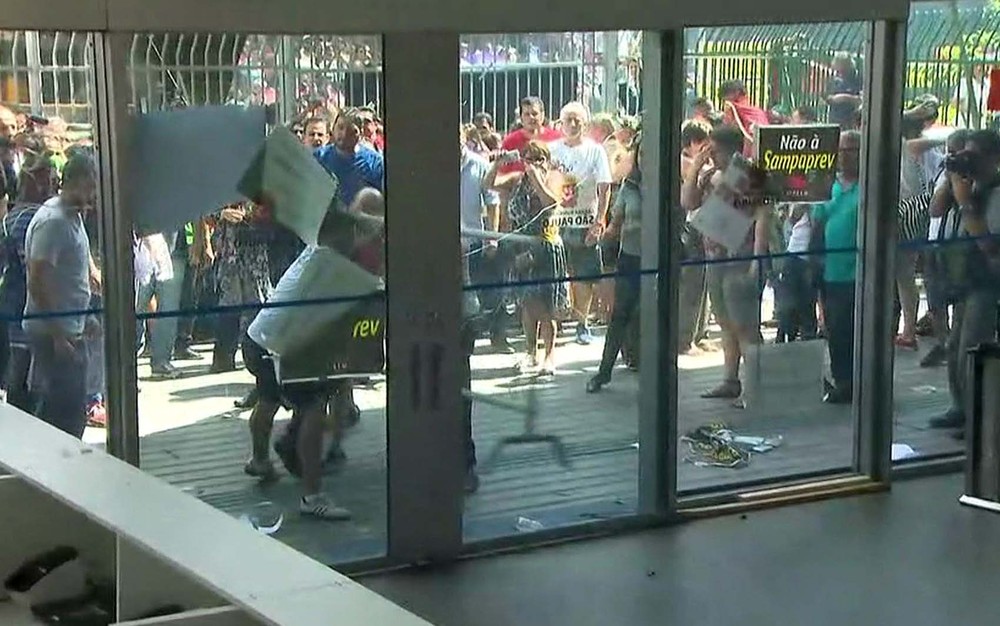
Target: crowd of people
<point>570,189</point>
<point>551,215</point>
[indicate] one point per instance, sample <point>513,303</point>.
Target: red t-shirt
<point>519,140</point>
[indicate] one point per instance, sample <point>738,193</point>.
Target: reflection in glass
<point>547,221</point>
<point>51,347</point>
<point>261,290</point>
<point>767,286</point>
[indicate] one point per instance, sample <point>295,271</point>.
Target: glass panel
<point>557,109</point>
<point>52,344</point>
<point>226,283</point>
<point>766,307</point>
<point>946,97</point>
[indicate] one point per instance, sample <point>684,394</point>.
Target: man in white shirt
<point>60,275</point>
<point>584,210</point>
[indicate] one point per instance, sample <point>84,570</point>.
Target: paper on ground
<point>317,274</point>
<point>296,186</point>
<point>187,163</point>
<point>901,451</point>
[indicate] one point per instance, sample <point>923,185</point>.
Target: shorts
<point>295,395</point>
<point>583,259</point>
<point>734,294</point>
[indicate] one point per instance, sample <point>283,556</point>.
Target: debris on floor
<point>717,445</point>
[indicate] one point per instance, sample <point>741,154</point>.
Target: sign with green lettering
<point>800,162</point>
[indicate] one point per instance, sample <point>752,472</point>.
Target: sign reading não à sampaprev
<point>800,161</point>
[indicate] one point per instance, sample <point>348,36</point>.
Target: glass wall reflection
<point>52,336</point>
<point>259,254</point>
<point>550,209</point>
<point>770,200</point>
<point>940,305</point>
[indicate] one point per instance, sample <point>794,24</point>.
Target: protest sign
<point>186,163</point>
<point>286,176</point>
<point>800,161</point>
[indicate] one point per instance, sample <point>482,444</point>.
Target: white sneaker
<point>320,505</point>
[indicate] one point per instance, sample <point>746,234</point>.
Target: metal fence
<point>950,50</point>
<point>49,73</point>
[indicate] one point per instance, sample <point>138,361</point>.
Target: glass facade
<point>631,343</point>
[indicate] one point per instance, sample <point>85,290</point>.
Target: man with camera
<point>973,186</point>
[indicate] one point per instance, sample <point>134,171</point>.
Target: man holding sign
<point>583,211</point>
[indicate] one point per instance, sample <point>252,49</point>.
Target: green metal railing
<point>950,51</point>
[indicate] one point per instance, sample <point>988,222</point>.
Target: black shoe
<point>166,372</point>
<point>595,384</point>
<point>222,368</point>
<point>500,345</point>
<point>248,401</point>
<point>951,419</point>
<point>836,395</point>
<point>935,358</point>
<point>186,354</point>
<point>471,481</point>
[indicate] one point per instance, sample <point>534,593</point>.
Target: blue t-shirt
<point>353,172</point>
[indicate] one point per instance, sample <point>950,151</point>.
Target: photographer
<point>974,186</point>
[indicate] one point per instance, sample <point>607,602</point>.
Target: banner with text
<point>800,161</point>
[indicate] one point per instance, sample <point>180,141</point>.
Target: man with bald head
<point>583,213</point>
<point>839,219</point>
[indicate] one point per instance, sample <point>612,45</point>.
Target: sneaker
<point>500,345</point>
<point>583,336</point>
<point>951,419</point>
<point>935,358</point>
<point>262,470</point>
<point>166,372</point>
<point>595,384</point>
<point>321,506</point>
<point>186,354</point>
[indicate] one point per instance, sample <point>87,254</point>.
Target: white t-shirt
<point>587,164</point>
<point>801,234</point>
<point>56,236</point>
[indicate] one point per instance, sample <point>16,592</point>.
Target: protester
<point>626,226</point>
<point>738,111</point>
<point>60,273</point>
<point>531,127</point>
<point>308,401</point>
<point>843,92</point>
<point>534,193</point>
<point>588,173</point>
<point>838,218</point>
<point>693,306</point>
<point>734,287</point>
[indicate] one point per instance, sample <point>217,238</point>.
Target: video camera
<point>963,163</point>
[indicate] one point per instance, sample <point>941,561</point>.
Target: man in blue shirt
<point>354,164</point>
<point>839,219</point>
